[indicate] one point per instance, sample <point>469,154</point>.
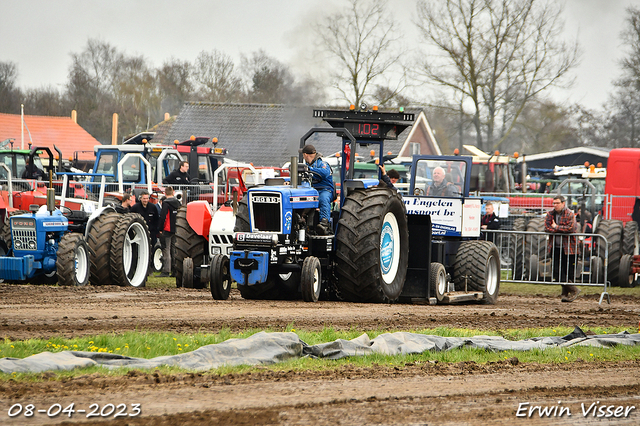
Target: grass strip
<point>150,345</point>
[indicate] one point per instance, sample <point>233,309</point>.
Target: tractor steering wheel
<point>66,211</point>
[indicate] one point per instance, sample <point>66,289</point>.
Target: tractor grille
<point>266,211</point>
<point>24,239</point>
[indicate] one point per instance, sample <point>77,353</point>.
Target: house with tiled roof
<point>269,135</point>
<point>62,132</point>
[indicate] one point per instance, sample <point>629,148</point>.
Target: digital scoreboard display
<point>373,125</point>
<point>372,130</point>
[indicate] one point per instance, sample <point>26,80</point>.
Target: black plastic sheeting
<point>270,348</point>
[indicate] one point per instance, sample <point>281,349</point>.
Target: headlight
<point>216,250</point>
<point>32,245</point>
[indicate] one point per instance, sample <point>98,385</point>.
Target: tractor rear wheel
<point>611,230</point>
<point>630,243</point>
<point>242,216</point>
<point>188,244</point>
<point>130,254</point>
<point>5,233</point>
<point>525,248</point>
<point>371,246</point>
<point>478,263</point>
<point>72,262</point>
<point>99,241</point>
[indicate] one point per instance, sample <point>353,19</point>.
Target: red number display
<point>368,129</point>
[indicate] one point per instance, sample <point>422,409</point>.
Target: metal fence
<point>570,259</point>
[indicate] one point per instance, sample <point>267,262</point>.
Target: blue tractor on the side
<point>383,247</point>
<point>42,247</point>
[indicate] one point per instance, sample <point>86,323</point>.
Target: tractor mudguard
<point>249,268</point>
<point>199,217</point>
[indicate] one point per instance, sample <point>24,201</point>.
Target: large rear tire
<point>478,262</point>
<point>99,242</point>
<point>371,246</point>
<point>72,261</point>
<point>242,216</point>
<point>130,251</point>
<point>5,233</point>
<point>630,242</point>
<point>188,244</point>
<point>612,230</point>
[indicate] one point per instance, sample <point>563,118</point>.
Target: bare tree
<point>46,101</point>
<point>271,81</point>
<point>363,44</point>
<point>216,77</point>
<point>10,95</point>
<point>174,84</point>
<point>498,54</point>
<point>623,107</point>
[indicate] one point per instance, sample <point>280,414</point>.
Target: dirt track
<point>425,393</point>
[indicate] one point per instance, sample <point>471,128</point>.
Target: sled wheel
<point>478,262</point>
<point>311,279</point>
<point>438,281</point>
<point>72,262</point>
<point>219,277</point>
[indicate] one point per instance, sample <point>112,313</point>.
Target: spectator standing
<point>128,200</point>
<point>150,214</point>
<point>489,221</point>
<point>440,187</point>
<point>323,183</point>
<point>180,176</point>
<point>390,178</point>
<point>563,247</point>
<point>170,207</point>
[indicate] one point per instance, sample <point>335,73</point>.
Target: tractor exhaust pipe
<point>293,172</point>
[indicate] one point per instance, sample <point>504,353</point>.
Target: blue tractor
<point>42,247</point>
<point>383,248</point>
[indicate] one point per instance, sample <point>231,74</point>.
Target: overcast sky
<point>39,35</point>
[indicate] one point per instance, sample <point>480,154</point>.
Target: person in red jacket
<point>563,247</point>
<point>167,227</point>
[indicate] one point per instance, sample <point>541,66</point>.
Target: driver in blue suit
<point>322,182</point>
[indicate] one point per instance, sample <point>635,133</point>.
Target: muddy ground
<point>419,393</point>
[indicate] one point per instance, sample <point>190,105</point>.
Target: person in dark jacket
<point>180,176</point>
<point>390,178</point>
<point>150,214</point>
<point>128,200</point>
<point>562,247</point>
<point>440,187</point>
<point>170,207</point>
<point>489,221</point>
